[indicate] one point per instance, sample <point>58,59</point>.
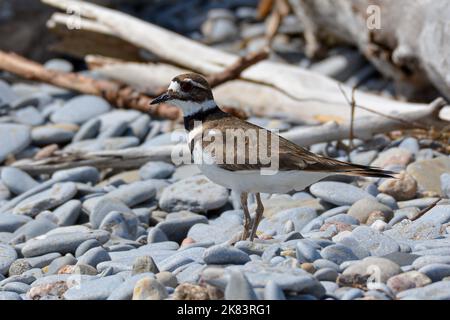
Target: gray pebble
<point>94,256</point>
<point>17,180</point>
<point>13,139</point>
<point>156,170</point>
<point>338,253</point>
<point>7,257</point>
<point>222,254</point>
<point>338,193</point>
<point>239,288</point>
<point>80,109</point>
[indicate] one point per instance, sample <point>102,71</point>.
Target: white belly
<point>254,181</point>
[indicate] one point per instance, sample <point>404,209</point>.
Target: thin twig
<point>425,210</point>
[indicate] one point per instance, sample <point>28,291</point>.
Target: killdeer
<point>297,168</point>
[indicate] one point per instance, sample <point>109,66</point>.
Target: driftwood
<point>280,88</point>
<point>413,49</point>
<point>118,94</point>
<point>133,158</point>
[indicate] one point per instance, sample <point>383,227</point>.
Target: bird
<point>248,172</point>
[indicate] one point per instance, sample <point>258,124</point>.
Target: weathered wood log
<point>406,40</point>
<point>305,94</point>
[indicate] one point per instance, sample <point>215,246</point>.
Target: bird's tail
<point>352,169</point>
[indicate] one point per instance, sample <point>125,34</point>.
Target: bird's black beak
<point>162,98</point>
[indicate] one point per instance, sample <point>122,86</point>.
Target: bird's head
<point>190,92</point>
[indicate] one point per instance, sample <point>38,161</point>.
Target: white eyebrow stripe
<point>174,86</point>
<point>197,84</point>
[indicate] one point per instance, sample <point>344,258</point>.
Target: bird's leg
<point>258,216</point>
<point>247,218</point>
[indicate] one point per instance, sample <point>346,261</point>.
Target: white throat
<point>190,107</point>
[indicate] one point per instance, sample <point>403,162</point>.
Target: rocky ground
<point>166,232</point>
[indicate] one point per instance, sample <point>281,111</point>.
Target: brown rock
<point>56,289</point>
<point>393,156</point>
<point>308,267</point>
<point>403,188</point>
<point>374,216</point>
<point>149,289</point>
<point>187,241</point>
<point>427,173</point>
<point>188,291</point>
<point>408,280</point>
<point>339,225</point>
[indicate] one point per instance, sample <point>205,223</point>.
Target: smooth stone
<point>225,254</point>
<point>387,200</point>
<point>393,156</point>
<point>404,187</point>
<point>29,116</point>
<point>445,184</point>
<point>97,289</point>
<point>109,119</point>
<point>89,130</point>
<point>408,280</point>
<point>58,194</point>
<point>134,193</point>
<point>13,139</point>
<point>121,224</point>
<point>305,252</point>
<point>323,263</point>
<point>68,213</point>
<point>273,291</point>
<point>156,170</point>
<point>33,229</point>
<point>177,224</point>
<point>18,267</point>
<point>239,288</point>
<point>17,287</point>
<point>363,158</point>
<point>11,222</point>
<point>342,218</point>
<point>43,260</point>
<point>376,268</point>
<point>326,274</point>
<point>427,173</point>
<point>401,258</point>
<point>58,65</point>
<point>181,258</point>
<point>149,289</point>
<point>415,230</point>
<point>338,253</point>
<point>86,246</point>
<point>144,264</point>
<point>16,180</point>
<point>374,241</point>
<point>438,215</point>
<point>7,94</point>
<point>7,257</point>
<point>103,207</point>
<point>156,235</point>
<point>218,230</point>
<point>436,271</point>
<point>299,216</point>
<point>116,143</point>
<point>125,290</point>
<point>431,259</point>
<point>58,263</point>
<point>80,109</point>
<point>411,144</point>
<point>94,256</point>
<point>191,273</point>
<point>352,294</point>
<point>435,291</point>
<point>338,193</point>
<point>420,203</point>
<point>117,129</point>
<point>196,194</point>
<point>59,133</point>
<point>84,174</point>
<point>140,127</point>
<point>167,279</point>
<point>7,295</point>
<point>62,243</point>
<point>364,207</point>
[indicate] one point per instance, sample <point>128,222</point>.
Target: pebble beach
<point>166,232</point>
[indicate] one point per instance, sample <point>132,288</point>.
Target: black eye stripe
<point>186,86</point>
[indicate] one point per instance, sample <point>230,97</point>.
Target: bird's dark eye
<point>186,86</point>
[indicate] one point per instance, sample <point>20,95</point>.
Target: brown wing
<point>290,156</point>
